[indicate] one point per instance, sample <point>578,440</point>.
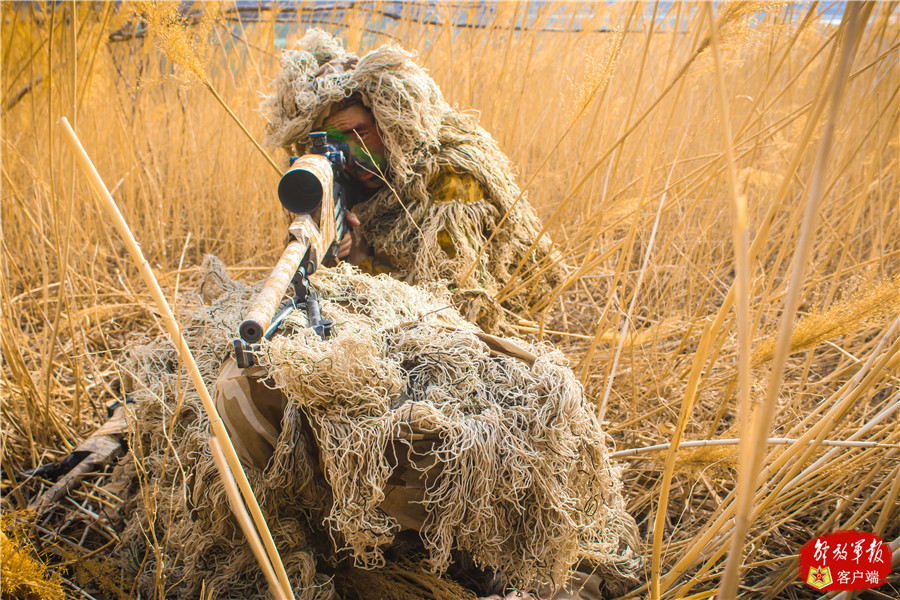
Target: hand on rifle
<point>352,247</point>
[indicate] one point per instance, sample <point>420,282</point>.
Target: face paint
<point>358,153</point>
<point>355,126</point>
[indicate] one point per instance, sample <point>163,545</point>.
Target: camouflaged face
<point>405,101</point>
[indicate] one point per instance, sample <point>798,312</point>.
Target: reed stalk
<point>617,135</point>
<point>730,577</point>
<point>184,352</point>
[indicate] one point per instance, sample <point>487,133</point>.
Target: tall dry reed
<point>640,138</point>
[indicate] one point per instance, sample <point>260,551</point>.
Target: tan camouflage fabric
<point>525,484</point>
<point>447,187</point>
<point>251,411</point>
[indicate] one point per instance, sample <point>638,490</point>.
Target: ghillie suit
<point>517,475</point>
<point>448,183</point>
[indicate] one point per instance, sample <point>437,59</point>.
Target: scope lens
<point>300,191</point>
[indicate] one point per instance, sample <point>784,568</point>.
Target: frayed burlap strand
<point>525,484</point>
<point>214,280</point>
<point>178,532</point>
<point>403,580</point>
<point>424,137</point>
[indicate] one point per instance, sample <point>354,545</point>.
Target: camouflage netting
<point>525,485</point>
<point>425,138</point>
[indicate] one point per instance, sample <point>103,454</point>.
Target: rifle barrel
<point>269,297</point>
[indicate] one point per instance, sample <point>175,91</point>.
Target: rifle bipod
<point>305,297</point>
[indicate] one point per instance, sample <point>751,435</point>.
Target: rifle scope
<point>302,187</point>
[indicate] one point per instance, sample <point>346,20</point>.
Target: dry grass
<point>22,576</point>
<point>622,143</point>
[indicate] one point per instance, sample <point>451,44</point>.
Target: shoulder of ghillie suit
<point>434,153</point>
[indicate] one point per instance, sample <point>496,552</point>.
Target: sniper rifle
<point>316,189</point>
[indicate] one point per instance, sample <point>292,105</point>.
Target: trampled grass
<point>620,136</point>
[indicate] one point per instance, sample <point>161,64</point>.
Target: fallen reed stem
<point>619,454</point>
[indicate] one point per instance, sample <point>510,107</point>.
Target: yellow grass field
<point>722,182</point>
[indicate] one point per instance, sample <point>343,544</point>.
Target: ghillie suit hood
<point>425,138</point>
